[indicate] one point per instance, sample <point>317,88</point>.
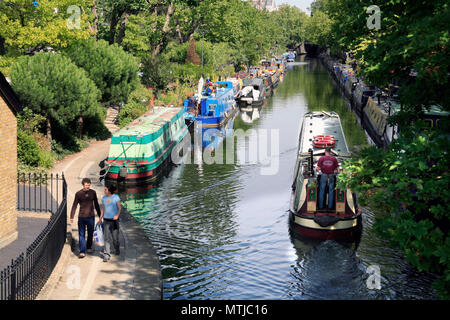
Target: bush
<point>137,105</point>
<point>29,153</point>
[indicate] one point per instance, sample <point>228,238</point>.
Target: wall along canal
<point>222,230</point>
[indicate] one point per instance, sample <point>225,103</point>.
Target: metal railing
<point>27,274</point>
<point>39,192</point>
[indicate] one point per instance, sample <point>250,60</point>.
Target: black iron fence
<point>39,192</point>
<point>25,277</point>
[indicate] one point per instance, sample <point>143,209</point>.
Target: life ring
<point>324,141</point>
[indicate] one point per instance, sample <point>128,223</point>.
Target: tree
<point>51,85</point>
<point>114,71</point>
<point>28,29</point>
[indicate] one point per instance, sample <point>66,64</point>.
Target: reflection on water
<point>222,231</point>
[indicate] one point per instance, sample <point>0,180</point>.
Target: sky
<point>302,4</point>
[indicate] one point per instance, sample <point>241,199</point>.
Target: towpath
<point>135,274</point>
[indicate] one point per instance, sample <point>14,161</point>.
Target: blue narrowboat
<point>212,107</point>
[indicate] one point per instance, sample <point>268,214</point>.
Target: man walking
<point>328,164</point>
<point>111,209</point>
<point>87,199</point>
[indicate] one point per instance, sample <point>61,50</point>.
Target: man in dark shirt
<point>328,165</point>
<point>87,198</point>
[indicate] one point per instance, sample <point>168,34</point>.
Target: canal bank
<point>222,231</point>
<point>135,274</point>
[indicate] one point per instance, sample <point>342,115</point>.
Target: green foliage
<point>318,29</point>
<point>137,105</point>
<point>413,35</point>
<point>26,28</point>
<point>29,152</point>
<point>32,146</point>
<point>112,69</point>
<point>29,121</point>
<point>408,185</point>
<point>52,86</point>
<point>156,72</point>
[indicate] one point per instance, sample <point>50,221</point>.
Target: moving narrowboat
<point>343,221</point>
<point>141,151</point>
<point>252,93</point>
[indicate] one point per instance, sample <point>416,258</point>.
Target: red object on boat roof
<point>323,141</point>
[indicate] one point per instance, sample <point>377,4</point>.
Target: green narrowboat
<point>140,151</point>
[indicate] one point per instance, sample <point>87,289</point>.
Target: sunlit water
<point>222,231</point>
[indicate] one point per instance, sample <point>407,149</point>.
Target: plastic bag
<point>98,236</point>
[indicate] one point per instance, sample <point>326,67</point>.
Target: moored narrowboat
<point>253,92</point>
<point>361,95</point>
<point>350,86</point>
<point>141,151</point>
<point>343,221</point>
<point>212,106</point>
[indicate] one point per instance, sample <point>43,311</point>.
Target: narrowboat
<point>361,95</point>
<point>290,56</point>
<point>343,222</point>
<point>237,85</point>
<point>349,87</point>
<point>344,72</point>
<point>141,151</point>
<point>380,107</point>
<point>268,84</point>
<point>212,110</point>
<point>252,93</point>
<point>212,106</point>
<point>275,75</point>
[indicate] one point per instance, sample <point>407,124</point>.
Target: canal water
<point>222,230</point>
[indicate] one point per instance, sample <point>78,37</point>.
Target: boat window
<point>429,123</point>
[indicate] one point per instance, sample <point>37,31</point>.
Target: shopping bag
<point>98,236</point>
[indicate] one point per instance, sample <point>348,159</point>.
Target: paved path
<point>135,274</point>
<point>28,227</point>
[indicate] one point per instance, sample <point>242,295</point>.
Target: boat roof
<point>150,122</point>
<point>253,81</point>
<point>322,123</point>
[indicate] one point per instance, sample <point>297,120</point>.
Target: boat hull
<point>345,229</point>
<point>140,173</point>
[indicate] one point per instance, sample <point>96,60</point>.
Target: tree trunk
<point>49,130</point>
<point>94,28</point>
<point>113,25</point>
<point>80,127</point>
<point>123,26</point>
<point>165,29</point>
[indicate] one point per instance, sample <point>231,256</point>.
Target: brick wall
<point>8,175</point>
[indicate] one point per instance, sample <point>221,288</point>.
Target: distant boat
<point>343,221</point>
<point>140,151</point>
<point>252,93</point>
